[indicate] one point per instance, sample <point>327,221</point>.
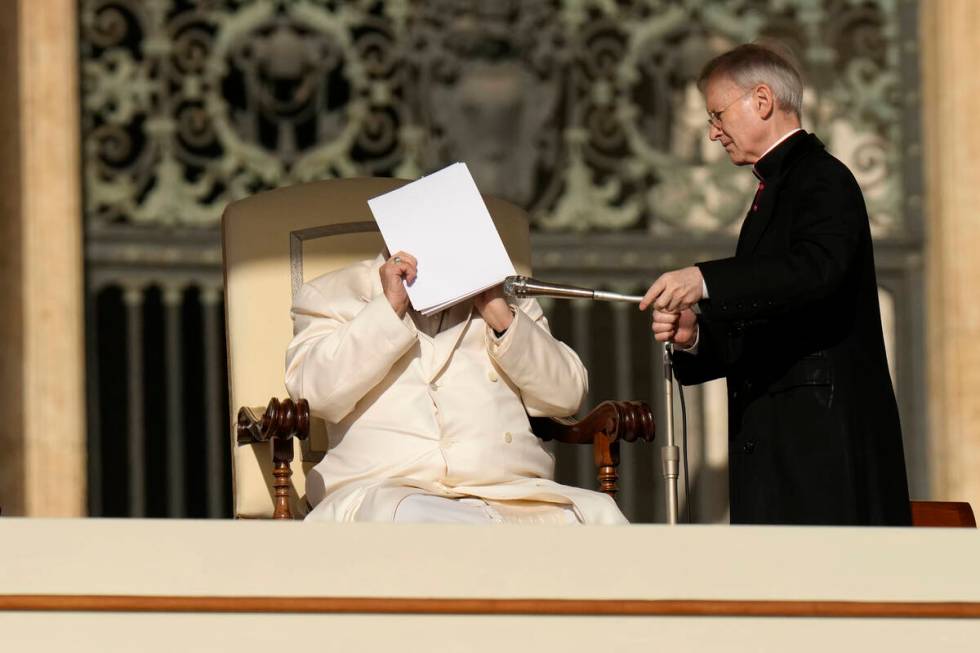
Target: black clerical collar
<point>771,162</point>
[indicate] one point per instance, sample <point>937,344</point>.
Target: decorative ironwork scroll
<point>586,112</point>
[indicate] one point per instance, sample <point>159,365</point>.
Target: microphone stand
<point>521,287</point>
<point>669,452</point>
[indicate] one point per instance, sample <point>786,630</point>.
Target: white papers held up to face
<point>443,222</point>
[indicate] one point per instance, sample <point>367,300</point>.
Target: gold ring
<point>397,259</point>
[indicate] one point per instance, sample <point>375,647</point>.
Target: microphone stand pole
<point>669,452</point>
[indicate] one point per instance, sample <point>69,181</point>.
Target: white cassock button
<point>508,437</point>
<point>492,376</point>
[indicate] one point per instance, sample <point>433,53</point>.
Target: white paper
<point>442,221</point>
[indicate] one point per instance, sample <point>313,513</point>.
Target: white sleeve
<point>552,380</point>
<point>342,349</point>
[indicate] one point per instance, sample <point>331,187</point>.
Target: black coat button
<point>748,446</point>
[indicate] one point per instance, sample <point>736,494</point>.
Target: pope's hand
<point>675,291</point>
<point>493,309</point>
<point>395,273</point>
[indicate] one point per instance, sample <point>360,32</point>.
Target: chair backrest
<point>272,243</point>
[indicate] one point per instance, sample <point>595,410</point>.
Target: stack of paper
<point>443,222</point>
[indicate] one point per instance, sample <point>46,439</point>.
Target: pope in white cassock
<point>427,416</point>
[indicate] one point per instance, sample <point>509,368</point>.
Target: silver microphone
<point>521,287</point>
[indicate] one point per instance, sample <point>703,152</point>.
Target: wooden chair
<point>950,514</point>
<point>273,243</point>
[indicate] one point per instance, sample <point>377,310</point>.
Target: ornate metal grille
<point>585,112</point>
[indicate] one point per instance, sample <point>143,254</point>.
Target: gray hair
<point>751,64</point>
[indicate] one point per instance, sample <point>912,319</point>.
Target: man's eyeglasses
<point>714,117</point>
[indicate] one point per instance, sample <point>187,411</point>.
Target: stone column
<point>42,430</point>
<point>950,43</point>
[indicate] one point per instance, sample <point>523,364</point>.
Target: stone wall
<point>42,465</point>
<point>951,107</point>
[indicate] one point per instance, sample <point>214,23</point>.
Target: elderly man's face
<point>734,122</point>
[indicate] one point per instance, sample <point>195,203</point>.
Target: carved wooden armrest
<point>619,420</point>
<point>609,423</point>
<point>280,422</point>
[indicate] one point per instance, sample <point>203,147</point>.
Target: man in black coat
<point>792,320</point>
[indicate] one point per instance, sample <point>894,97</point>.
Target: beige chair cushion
<point>272,243</point>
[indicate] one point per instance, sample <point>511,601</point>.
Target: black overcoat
<point>792,321</point>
